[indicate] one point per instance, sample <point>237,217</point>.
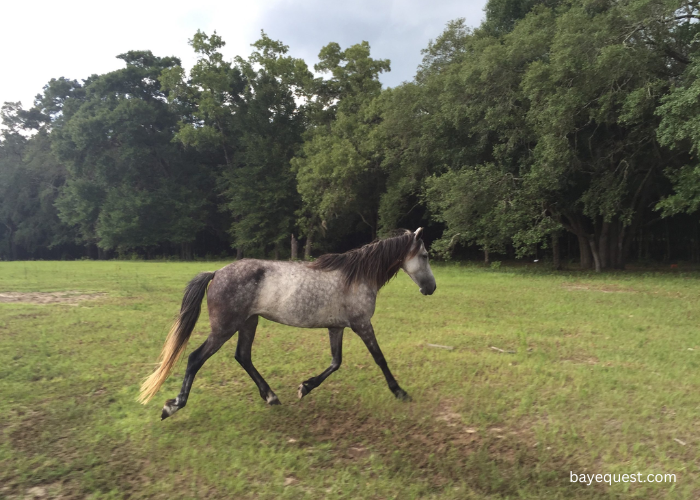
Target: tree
<point>593,113</point>
<point>129,185</point>
<point>249,111</point>
<point>338,168</point>
<point>502,15</point>
<point>417,136</point>
<point>30,179</point>
<point>574,129</point>
<point>207,101</point>
<point>465,140</point>
<point>679,128</point>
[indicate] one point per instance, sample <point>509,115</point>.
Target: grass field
<point>604,380</point>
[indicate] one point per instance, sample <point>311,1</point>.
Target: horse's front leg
<point>366,333</point>
<point>336,336</point>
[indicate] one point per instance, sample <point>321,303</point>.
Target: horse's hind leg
<point>366,333</point>
<point>246,335</point>
<point>195,361</point>
<point>336,336</point>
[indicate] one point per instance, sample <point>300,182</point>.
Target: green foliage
<point>475,204</point>
<point>501,15</point>
<point>680,129</point>
<point>248,111</point>
<point>129,186</point>
<point>562,102</point>
<point>338,169</point>
<point>30,179</point>
<point>260,188</point>
<point>206,99</point>
<point>551,115</point>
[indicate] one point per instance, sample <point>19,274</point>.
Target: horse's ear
<point>418,233</point>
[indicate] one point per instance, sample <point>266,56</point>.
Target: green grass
<point>604,380</point>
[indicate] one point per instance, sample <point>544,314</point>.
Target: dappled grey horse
<point>336,291</point>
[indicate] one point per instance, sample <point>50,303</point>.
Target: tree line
<point>561,128</point>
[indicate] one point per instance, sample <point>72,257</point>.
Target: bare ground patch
<point>68,297</point>
<point>608,288</point>
<point>58,456</point>
<point>435,447</point>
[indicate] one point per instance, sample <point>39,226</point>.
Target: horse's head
<point>418,267</point>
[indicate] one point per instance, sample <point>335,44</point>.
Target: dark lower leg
<point>246,335</point>
<point>366,333</point>
<point>195,361</point>
<point>336,337</point>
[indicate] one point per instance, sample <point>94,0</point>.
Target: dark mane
<point>375,263</point>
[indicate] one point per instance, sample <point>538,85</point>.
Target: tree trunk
<point>596,255</point>
<point>556,254</point>
<point>691,250</point>
<point>277,251</point>
<point>309,243</point>
<point>486,256</point>
<point>186,251</point>
<point>614,249</point>
<point>640,245</point>
<point>604,246</point>
<point>239,253</point>
<point>92,251</point>
<point>625,237</point>
<point>295,248</point>
<point>12,245</point>
<point>667,238</point>
<point>586,258</point>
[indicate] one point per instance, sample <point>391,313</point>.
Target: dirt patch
<point>601,288</point>
<point>432,444</point>
<point>69,297</point>
<point>582,360</point>
<point>445,413</point>
<point>61,455</point>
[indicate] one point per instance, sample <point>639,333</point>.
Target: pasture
<point>603,379</point>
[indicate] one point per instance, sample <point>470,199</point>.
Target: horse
<point>336,291</point>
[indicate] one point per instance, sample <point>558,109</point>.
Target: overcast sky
<point>40,40</point>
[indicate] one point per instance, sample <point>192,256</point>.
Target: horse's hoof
<point>402,395</point>
<point>302,391</point>
<point>169,408</point>
<point>272,399</point>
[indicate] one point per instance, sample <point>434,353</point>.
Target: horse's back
<point>296,295</point>
<point>291,293</point>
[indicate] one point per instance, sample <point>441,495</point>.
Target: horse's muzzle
<point>428,290</point>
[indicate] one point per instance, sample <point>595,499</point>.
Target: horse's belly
<point>326,321</point>
<point>313,312</point>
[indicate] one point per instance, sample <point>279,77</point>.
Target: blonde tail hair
<point>178,336</point>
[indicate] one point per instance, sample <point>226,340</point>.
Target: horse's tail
<point>179,334</point>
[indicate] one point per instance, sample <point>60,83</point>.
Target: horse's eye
<point>425,256</point>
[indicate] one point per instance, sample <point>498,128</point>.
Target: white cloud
<point>41,40</point>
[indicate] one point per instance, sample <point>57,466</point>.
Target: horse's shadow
<point>415,447</point>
